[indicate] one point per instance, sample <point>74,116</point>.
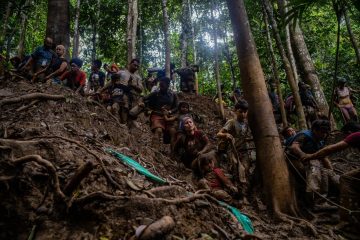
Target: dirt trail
<point>58,182</point>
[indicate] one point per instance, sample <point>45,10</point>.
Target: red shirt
<point>353,140</point>
<point>216,178</point>
<point>74,79</point>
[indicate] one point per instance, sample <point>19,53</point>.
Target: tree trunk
<point>229,58</point>
<point>5,23</point>
<point>307,69</point>
<point>288,70</point>
<point>185,29</point>
<point>58,22</point>
<point>269,152</point>
<point>22,35</point>
<point>94,33</point>
<point>166,38</point>
<point>283,11</point>
<point>75,51</point>
<point>193,45</point>
<point>216,58</point>
<point>275,71</point>
<point>352,38</point>
<point>132,20</point>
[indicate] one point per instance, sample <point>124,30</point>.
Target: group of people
<point>226,170</point>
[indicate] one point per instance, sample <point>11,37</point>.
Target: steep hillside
<point>57,181</point>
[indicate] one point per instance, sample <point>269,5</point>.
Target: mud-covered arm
<point>326,151</point>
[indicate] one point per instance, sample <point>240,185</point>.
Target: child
<point>212,178</point>
<point>234,144</point>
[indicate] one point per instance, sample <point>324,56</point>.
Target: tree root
<point>47,164</point>
<point>31,96</point>
<point>107,174</point>
<point>290,219</point>
<point>112,115</point>
<point>22,108</point>
<point>79,175</point>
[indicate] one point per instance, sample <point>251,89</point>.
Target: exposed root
<point>222,231</point>
<point>47,164</point>
<point>79,175</point>
<point>97,196</point>
<point>22,108</point>
<point>107,174</point>
<point>31,96</point>
<point>302,222</point>
<point>112,115</point>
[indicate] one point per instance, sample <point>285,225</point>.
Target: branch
<point>47,164</point>
<point>31,96</point>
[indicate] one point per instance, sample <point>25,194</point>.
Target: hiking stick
<point>240,166</point>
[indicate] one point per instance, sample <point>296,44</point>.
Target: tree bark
<point>185,29</point>
<point>216,58</point>
<point>287,66</point>
<point>270,156</point>
<point>166,38</point>
<point>22,32</point>
<point>352,38</point>
<point>193,45</point>
<point>275,71</point>
<point>94,33</point>
<point>58,22</point>
<point>132,21</point>
<point>283,11</point>
<point>307,69</point>
<point>75,51</point>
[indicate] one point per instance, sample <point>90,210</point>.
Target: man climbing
<point>161,103</point>
<point>316,173</point>
<point>40,58</point>
<point>343,101</point>
<point>75,78</point>
<point>309,103</point>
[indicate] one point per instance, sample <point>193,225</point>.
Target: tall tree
<point>75,51</point>
<point>132,20</point>
<point>351,36</point>
<point>166,38</point>
<point>287,66</point>
<point>269,153</point>
<point>275,70</point>
<point>216,63</point>
<point>184,36</point>
<point>5,24</point>
<point>58,22</point>
<point>23,30</point>
<point>193,44</point>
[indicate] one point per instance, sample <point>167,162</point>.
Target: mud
<point>68,133</point>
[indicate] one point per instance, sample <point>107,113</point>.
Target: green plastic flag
<point>243,219</point>
<point>131,162</point>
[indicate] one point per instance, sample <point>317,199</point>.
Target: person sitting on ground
<point>40,58</point>
<point>190,143</point>
<point>343,101</point>
<point>287,133</point>
<point>75,78</point>
<point>234,143</point>
<point>317,172</point>
<point>161,103</point>
<point>56,68</point>
<point>213,178</point>
<point>97,77</point>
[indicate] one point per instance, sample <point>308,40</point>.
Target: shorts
<point>158,121</point>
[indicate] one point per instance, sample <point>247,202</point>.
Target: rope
<point>319,194</point>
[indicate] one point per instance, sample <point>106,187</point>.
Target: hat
<point>77,61</point>
<point>341,80</point>
<point>165,79</point>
